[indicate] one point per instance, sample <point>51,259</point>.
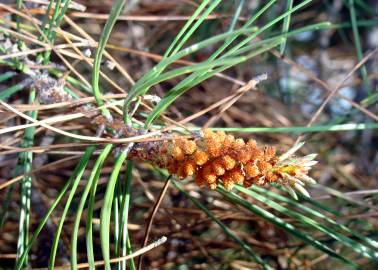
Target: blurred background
<point>300,77</point>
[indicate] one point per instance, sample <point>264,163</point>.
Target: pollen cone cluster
<point>213,158</point>
<point>217,158</point>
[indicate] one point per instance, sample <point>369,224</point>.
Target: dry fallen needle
<point>212,158</point>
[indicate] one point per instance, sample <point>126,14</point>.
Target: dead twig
<point>152,216</point>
